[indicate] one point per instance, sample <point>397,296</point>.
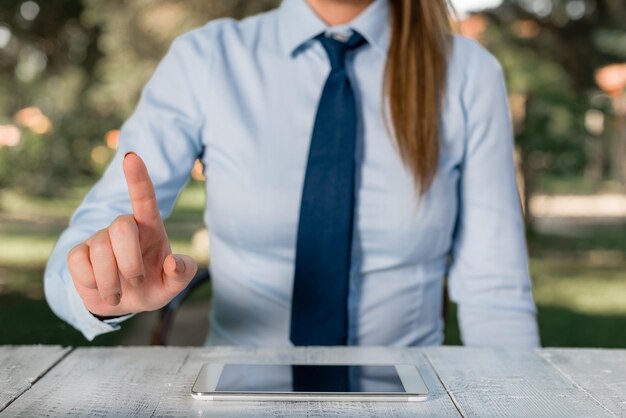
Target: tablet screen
<point>279,378</point>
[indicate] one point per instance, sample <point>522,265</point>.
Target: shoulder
<point>472,66</point>
<point>474,74</point>
<point>226,33</point>
<point>469,56</point>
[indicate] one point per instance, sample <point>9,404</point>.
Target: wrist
<point>108,317</point>
<point>104,318</point>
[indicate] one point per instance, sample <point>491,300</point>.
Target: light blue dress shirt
<point>242,96</point>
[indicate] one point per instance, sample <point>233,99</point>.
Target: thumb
<point>178,270</point>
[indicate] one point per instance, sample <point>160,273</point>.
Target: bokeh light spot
<point>29,10</point>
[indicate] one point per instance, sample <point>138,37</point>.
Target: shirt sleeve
<point>165,132</point>
<point>489,277</point>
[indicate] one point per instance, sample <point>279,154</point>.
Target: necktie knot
<point>336,49</point>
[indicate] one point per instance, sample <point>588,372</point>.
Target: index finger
<point>141,191</point>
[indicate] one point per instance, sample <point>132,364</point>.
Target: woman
<point>355,153</point>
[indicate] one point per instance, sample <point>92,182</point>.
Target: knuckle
<point>100,245</point>
<point>129,267</point>
<point>85,281</point>
<point>123,218</point>
<point>79,267</point>
<point>76,254</point>
<point>73,274</point>
<point>122,227</point>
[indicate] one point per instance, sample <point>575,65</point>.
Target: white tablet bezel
<point>416,389</point>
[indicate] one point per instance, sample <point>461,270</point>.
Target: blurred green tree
<point>72,70</point>
<point>135,35</point>
<point>46,61</point>
<point>551,51</point>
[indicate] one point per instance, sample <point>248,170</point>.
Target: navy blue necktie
<point>319,313</point>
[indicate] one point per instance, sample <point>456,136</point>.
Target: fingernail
<point>136,281</point>
<point>180,265</point>
<point>129,152</point>
<point>113,299</point>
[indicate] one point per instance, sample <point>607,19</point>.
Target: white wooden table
<point>156,381</point>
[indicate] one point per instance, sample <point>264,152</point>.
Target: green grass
<point>562,327</point>
<point>30,321</point>
<point>579,279</point>
<point>29,228</point>
<point>579,286</point>
<point>15,203</point>
<point>576,186</point>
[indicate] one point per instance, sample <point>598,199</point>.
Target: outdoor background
<point>71,72</point>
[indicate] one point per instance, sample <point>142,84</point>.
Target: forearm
<point>165,130</point>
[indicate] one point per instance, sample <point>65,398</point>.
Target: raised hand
<point>129,266</point>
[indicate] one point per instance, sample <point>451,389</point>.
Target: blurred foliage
<point>551,50</point>
<point>48,62</point>
<point>29,227</point>
<point>71,71</point>
<point>83,64</point>
<point>136,35</point>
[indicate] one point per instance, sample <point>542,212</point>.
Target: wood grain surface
<point>21,366</point>
<point>599,373</point>
<point>156,381</point>
<point>490,382</point>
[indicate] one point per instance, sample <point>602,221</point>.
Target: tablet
<point>379,382</point>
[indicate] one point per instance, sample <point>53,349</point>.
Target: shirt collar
<point>298,23</point>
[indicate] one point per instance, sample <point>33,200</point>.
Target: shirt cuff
<point>85,322</point>
<point>485,327</point>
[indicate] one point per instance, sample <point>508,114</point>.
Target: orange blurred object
<point>526,29</point>
<point>34,119</point>
<point>10,136</point>
<point>473,27</point>
<point>111,138</point>
<point>197,173</point>
<point>612,79</point>
<point>100,155</point>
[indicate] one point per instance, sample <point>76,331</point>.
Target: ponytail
<point>414,85</point>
